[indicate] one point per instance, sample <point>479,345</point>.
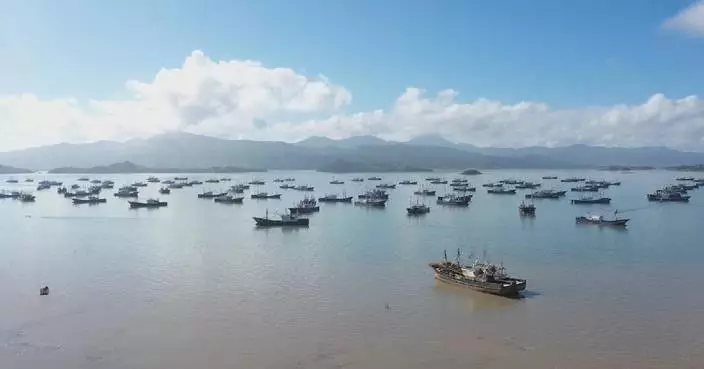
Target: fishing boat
<point>439,181</point>
<point>153,179</point>
<point>228,199</point>
<point>591,200</point>
<point>357,179</point>
<point>602,221</point>
<point>96,181</point>
<point>549,177</point>
<point>278,180</point>
<point>139,184</point>
<point>465,188</point>
<point>75,186</point>
<point>460,180</point>
<point>11,181</point>
<point>10,195</point>
<point>371,202</point>
<point>386,186</point>
<point>126,193</point>
<point>27,197</point>
<point>168,182</point>
<point>43,186</point>
<point>432,179</point>
<point>668,196</point>
<point>684,178</point>
<point>424,192</point>
<point>337,182</point>
<point>417,209</point>
<point>180,178</point>
<point>526,208</point>
<point>512,181</point>
<point>210,194</point>
<point>304,188</point>
<point>306,206</point>
<point>193,183</point>
<point>165,191</point>
<point>546,194</point>
<point>335,198</point>
<point>176,186</point>
<point>79,193</point>
<point>256,182</point>
<point>106,185</point>
<point>527,186</point>
<point>150,203</point>
<point>30,180</point>
<point>585,189</point>
<point>90,200</point>
<point>492,185</point>
<point>225,179</point>
<point>212,180</point>
<point>287,220</point>
<point>408,182</point>
<point>573,179</point>
<point>480,276</point>
<point>454,200</point>
<point>501,191</point>
<point>94,190</point>
<point>265,196</point>
<point>239,188</point>
<point>374,194</point>
<point>374,178</point>
<point>287,186</point>
<point>61,190</point>
<point>84,179</point>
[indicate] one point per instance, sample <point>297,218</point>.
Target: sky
<point>491,73</point>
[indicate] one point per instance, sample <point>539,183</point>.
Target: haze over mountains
<point>184,150</point>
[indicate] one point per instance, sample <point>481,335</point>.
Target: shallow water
<point>195,284</point>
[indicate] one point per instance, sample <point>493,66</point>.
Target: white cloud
<point>690,20</point>
<point>244,99</point>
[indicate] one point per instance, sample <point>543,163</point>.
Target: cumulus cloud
<point>690,20</point>
<point>245,99</point>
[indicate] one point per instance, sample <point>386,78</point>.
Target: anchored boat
<point>418,209</point>
<point>265,195</point>
<point>151,203</point>
<point>454,200</point>
<point>228,199</point>
<point>287,220</point>
<point>602,221</point>
<point>592,200</point>
<point>546,194</point>
<point>335,198</point>
<point>480,276</point>
<point>92,200</point>
<point>526,208</point>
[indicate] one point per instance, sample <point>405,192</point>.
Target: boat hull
<point>234,200</point>
<point>587,202</point>
<point>89,201</point>
<point>264,222</point>
<point>136,204</point>
<point>338,199</point>
<point>603,222</point>
<point>258,197</point>
<point>305,210</point>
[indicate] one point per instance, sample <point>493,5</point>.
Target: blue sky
<point>565,53</point>
<point>566,58</point>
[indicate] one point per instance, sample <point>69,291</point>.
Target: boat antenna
<point>445,255</point>
<point>458,255</point>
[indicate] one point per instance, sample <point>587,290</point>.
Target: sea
<point>197,285</point>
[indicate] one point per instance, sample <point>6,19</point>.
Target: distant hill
<point>343,166</point>
<point>689,168</point>
<point>183,151</point>
<point>128,167</point>
<point>12,170</point>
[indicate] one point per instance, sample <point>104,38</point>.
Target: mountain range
<point>361,153</point>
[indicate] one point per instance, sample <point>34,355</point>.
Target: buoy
<point>44,291</point>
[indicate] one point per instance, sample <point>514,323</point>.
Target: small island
<point>344,166</point>
<point>688,168</point>
<point>471,172</point>
<point>129,167</point>
<point>4,169</point>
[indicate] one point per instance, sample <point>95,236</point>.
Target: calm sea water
<point>196,285</point>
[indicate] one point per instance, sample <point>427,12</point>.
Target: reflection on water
<point>472,300</point>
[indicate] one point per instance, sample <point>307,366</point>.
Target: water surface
<point>197,285</point>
